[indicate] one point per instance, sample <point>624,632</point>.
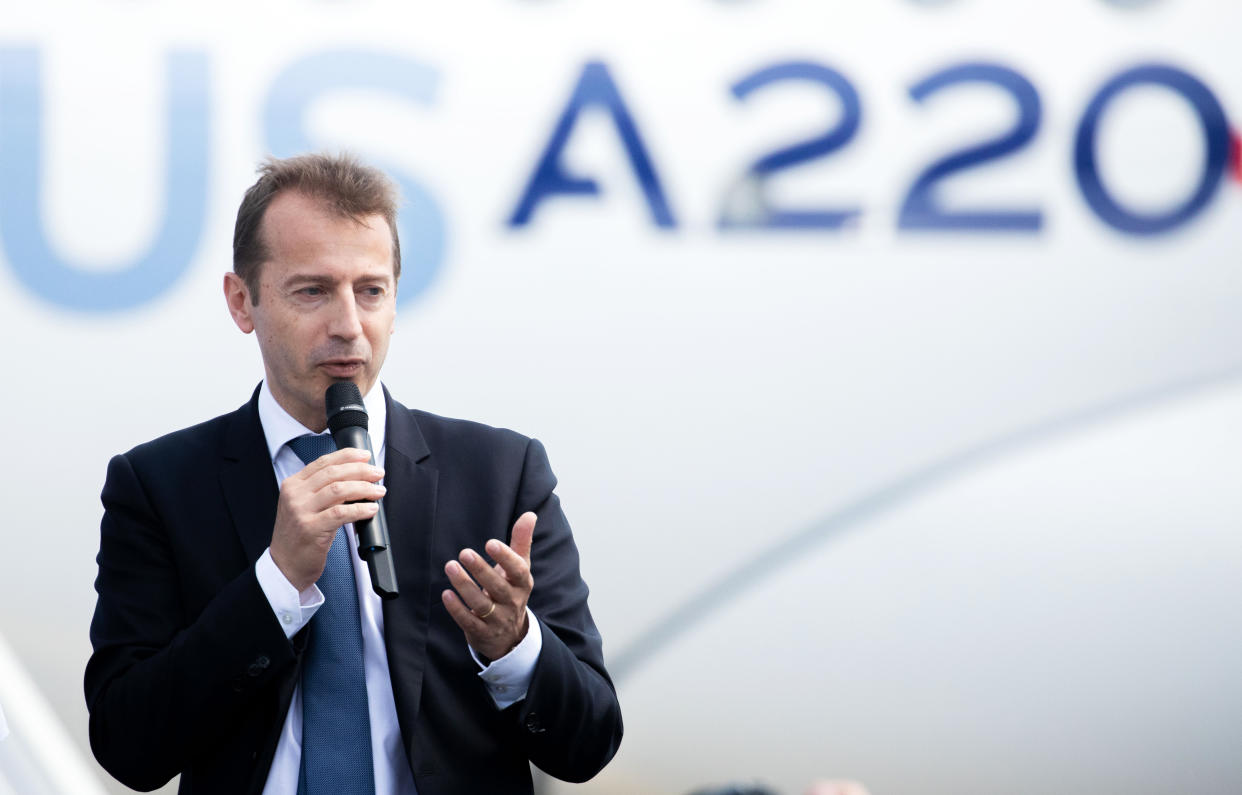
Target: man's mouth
<point>342,368</point>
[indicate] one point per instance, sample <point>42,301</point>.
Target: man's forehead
<point>292,205</point>
<point>298,227</point>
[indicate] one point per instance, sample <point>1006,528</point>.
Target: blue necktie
<point>336,725</point>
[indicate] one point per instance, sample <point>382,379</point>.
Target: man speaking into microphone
<point>241,640</point>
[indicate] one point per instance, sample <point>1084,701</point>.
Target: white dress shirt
<point>507,679</point>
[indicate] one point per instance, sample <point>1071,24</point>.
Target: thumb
<point>523,535</point>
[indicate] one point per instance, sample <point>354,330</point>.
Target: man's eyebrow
<point>307,276</point>
<point>324,278</point>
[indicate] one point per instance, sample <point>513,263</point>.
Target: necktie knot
<point>311,446</point>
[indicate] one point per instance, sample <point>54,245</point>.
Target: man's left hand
<point>491,607</point>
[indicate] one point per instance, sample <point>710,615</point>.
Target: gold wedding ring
<point>490,610</point>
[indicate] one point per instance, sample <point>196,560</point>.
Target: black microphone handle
<point>373,541</point>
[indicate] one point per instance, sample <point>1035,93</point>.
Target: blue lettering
<point>1216,138</point>
<point>22,236</point>
<point>595,87</point>
<point>420,224</point>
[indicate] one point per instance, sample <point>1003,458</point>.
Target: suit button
<point>533,724</point>
<point>258,666</point>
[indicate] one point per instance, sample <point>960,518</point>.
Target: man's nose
<point>345,322</point>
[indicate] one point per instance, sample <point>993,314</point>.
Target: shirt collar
<point>279,427</point>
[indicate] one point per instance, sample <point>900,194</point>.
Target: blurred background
<point>889,353</point>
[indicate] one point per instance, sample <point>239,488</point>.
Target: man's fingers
<point>492,580</point>
<point>333,490</point>
<point>337,515</point>
<point>466,588</point>
<point>513,567</point>
<point>333,479</point>
<point>344,491</point>
<point>523,535</point>
<point>343,456</point>
<point>352,512</point>
<point>350,470</point>
<point>513,560</point>
<point>465,619</point>
<point>480,587</point>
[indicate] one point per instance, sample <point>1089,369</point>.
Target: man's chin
<point>363,380</point>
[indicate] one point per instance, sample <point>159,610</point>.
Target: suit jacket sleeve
<point>570,721</point>
<point>169,677</point>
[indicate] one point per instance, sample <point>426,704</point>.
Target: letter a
<point>595,87</point>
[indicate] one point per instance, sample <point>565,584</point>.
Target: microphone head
<point>344,406</point>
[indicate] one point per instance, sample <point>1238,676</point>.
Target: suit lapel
<point>248,480</point>
<point>410,507</point>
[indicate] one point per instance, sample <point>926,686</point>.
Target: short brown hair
<point>341,182</point>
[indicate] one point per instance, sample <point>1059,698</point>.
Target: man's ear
<point>237,296</point>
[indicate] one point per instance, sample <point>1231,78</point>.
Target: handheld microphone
<point>347,419</point>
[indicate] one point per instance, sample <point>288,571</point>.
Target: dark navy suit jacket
<point>191,672</point>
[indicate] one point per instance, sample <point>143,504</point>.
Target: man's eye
<point>374,292</point>
<point>311,291</point>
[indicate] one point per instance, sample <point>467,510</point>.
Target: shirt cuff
<point>293,610</point>
<point>508,678</point>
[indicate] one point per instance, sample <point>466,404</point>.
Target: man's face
<point>327,302</point>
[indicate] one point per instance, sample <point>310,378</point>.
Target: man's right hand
<point>314,503</point>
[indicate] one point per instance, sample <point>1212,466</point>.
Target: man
<point>236,638</point>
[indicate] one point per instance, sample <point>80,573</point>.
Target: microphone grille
<point>343,402</point>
